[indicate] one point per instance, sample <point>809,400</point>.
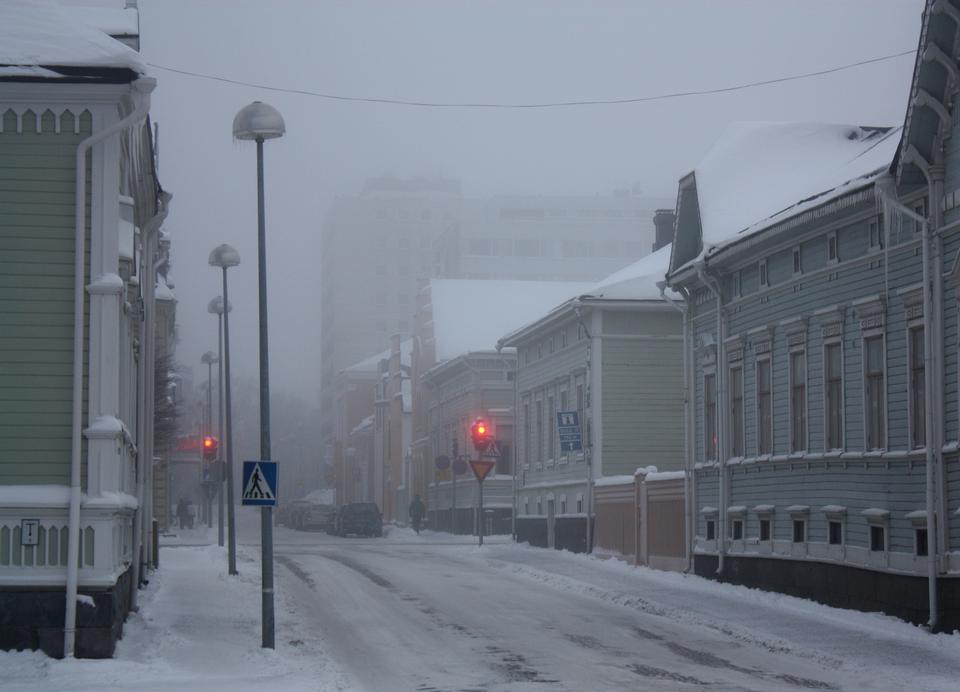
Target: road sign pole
<point>481,513</point>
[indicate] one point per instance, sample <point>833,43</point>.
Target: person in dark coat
<point>417,510</point>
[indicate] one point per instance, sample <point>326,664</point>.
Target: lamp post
<point>208,358</point>
<point>224,256</point>
<point>259,122</point>
<point>216,307</point>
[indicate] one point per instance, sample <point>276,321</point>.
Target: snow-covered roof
<point>372,364</point>
<point>759,173</point>
<point>472,314</point>
<point>41,33</point>
<point>637,281</point>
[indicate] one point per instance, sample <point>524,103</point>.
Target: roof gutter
<point>143,86</point>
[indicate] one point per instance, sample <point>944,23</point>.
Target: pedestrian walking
<point>417,510</point>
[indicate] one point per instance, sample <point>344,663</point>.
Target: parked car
<point>291,514</point>
<point>360,518</point>
<point>322,517</point>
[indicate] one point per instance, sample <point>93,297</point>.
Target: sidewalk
<point>197,628</point>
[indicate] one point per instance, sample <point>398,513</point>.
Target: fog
<point>453,51</point>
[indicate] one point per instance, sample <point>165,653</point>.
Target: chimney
<point>664,220</point>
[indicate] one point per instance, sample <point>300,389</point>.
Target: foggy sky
<point>504,50</point>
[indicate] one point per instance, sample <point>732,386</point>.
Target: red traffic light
<point>210,448</point>
<point>480,434</point>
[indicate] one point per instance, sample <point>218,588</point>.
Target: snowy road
<point>430,613</point>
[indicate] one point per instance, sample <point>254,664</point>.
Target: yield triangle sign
<point>481,468</point>
<point>259,481</point>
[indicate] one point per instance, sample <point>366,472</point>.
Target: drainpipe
<point>142,87</point>
<point>714,288</point>
<point>887,194</point>
<point>683,309</point>
<point>588,449</point>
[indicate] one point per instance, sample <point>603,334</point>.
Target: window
<point>764,408</point>
<point>920,542</point>
<point>539,505</point>
<point>710,416</point>
<point>550,429</point>
<point>539,439</point>
<point>563,504</point>
<point>526,505</point>
<point>799,530</point>
<point>529,435</point>
<point>764,529</point>
<point>836,533</point>
<point>737,285</point>
<point>921,209</point>
<point>878,538</point>
<point>874,392</point>
<point>833,386</point>
<point>918,418</point>
<point>579,504</point>
<point>563,338</point>
<point>711,530</point>
<point>832,248</point>
<point>580,403</point>
<point>736,412</point>
<point>876,236</point>
<point>797,267</point>
<point>551,345</point>
<point>764,279</point>
<point>736,529</point>
<point>798,401</point>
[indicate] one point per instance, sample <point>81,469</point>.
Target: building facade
<point>823,347</point>
<point>76,357</point>
<point>612,353</point>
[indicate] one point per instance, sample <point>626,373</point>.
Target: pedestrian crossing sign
<point>259,483</point>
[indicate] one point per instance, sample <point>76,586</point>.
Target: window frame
<point>829,343</point>
<point>797,260</point>
<point>913,380</point>
<point>802,521</point>
<point>737,432</point>
<point>766,359</point>
<point>710,421</point>
<point>882,528</point>
<point>875,239</point>
<point>801,352</point>
<point>833,248</point>
<point>763,273</point>
<point>839,524</point>
<point>883,430</point>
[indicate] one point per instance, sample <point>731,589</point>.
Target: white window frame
<point>738,365</point>
<point>796,260</point>
<point>834,240</point>
<point>801,351</point>
<point>875,240</point>
<point>763,274</point>
<point>768,358</point>
<point>865,337</point>
<point>737,285</point>
<point>711,372</point>
<point>834,341</point>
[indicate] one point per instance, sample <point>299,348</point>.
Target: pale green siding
<point>36,296</point>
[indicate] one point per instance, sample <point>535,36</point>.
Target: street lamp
<point>215,307</point>
<point>224,256</point>
<point>208,359</point>
<point>259,122</point>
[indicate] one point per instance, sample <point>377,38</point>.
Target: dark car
<point>360,518</point>
<point>321,517</point>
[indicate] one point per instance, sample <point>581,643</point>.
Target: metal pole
<point>207,502</point>
<point>228,437</point>
<point>481,513</point>
<point>453,509</point>
<point>266,513</point>
<point>219,473</point>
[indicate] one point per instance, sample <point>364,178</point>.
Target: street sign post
<point>481,468</point>
<point>568,427</point>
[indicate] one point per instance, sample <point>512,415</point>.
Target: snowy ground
<point>433,612</point>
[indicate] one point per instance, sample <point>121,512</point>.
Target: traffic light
<point>210,448</point>
<point>480,434</point>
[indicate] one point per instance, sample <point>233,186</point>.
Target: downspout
<point>143,86</point>
<point>721,403</point>
<point>683,309</point>
<point>886,192</point>
<point>588,396</point>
